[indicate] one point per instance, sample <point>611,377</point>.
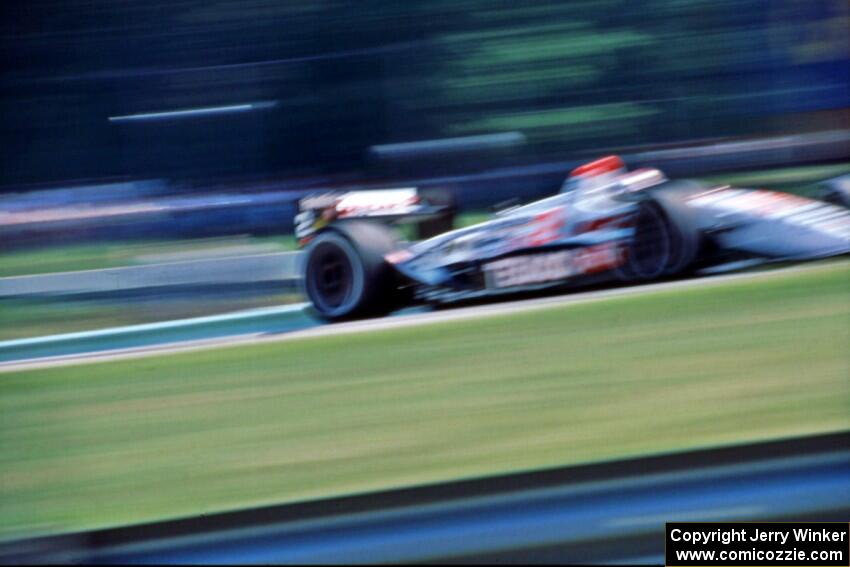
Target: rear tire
<point>345,274</point>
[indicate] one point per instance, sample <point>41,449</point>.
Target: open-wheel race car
<point>605,224</point>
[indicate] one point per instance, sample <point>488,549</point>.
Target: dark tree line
<point>346,75</point>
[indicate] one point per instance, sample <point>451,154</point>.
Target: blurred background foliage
<point>343,76</point>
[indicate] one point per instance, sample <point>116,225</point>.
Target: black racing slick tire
<point>666,241</point>
<point>345,274</point>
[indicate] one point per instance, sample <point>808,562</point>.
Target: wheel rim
<point>650,251</point>
<point>330,277</point>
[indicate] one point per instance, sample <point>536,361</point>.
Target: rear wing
<point>432,210</point>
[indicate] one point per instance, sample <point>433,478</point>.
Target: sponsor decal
<point>528,270</point>
<point>786,208</point>
<point>762,203</point>
<point>361,203</point>
<point>598,258</point>
<point>319,201</point>
<point>604,223</point>
<point>367,203</point>
<point>551,266</point>
<point>544,228</point>
<point>305,224</point>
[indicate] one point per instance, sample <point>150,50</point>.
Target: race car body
<point>606,223</point>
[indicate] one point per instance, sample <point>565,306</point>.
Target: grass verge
<point>129,441</point>
<point>100,255</point>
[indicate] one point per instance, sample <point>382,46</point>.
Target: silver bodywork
<point>584,233</point>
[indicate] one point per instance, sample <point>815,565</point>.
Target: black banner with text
<point>822,544</point>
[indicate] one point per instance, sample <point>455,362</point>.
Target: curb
<point>249,322</point>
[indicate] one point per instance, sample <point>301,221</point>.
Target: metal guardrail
<point>279,266</point>
<point>608,512</point>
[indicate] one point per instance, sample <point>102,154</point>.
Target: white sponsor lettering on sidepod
<point>525,270</point>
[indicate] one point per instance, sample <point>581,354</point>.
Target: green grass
<point>471,218</point>
<point>126,441</point>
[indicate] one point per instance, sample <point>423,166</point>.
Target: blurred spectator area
<point>185,89</point>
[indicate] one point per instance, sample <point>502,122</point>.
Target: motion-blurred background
<point>299,88</point>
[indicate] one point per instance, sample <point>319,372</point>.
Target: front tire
<point>345,275</point>
<point>666,241</point>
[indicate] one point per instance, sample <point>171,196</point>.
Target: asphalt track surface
<point>294,322</point>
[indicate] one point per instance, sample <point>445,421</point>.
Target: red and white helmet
<point>597,173</point>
